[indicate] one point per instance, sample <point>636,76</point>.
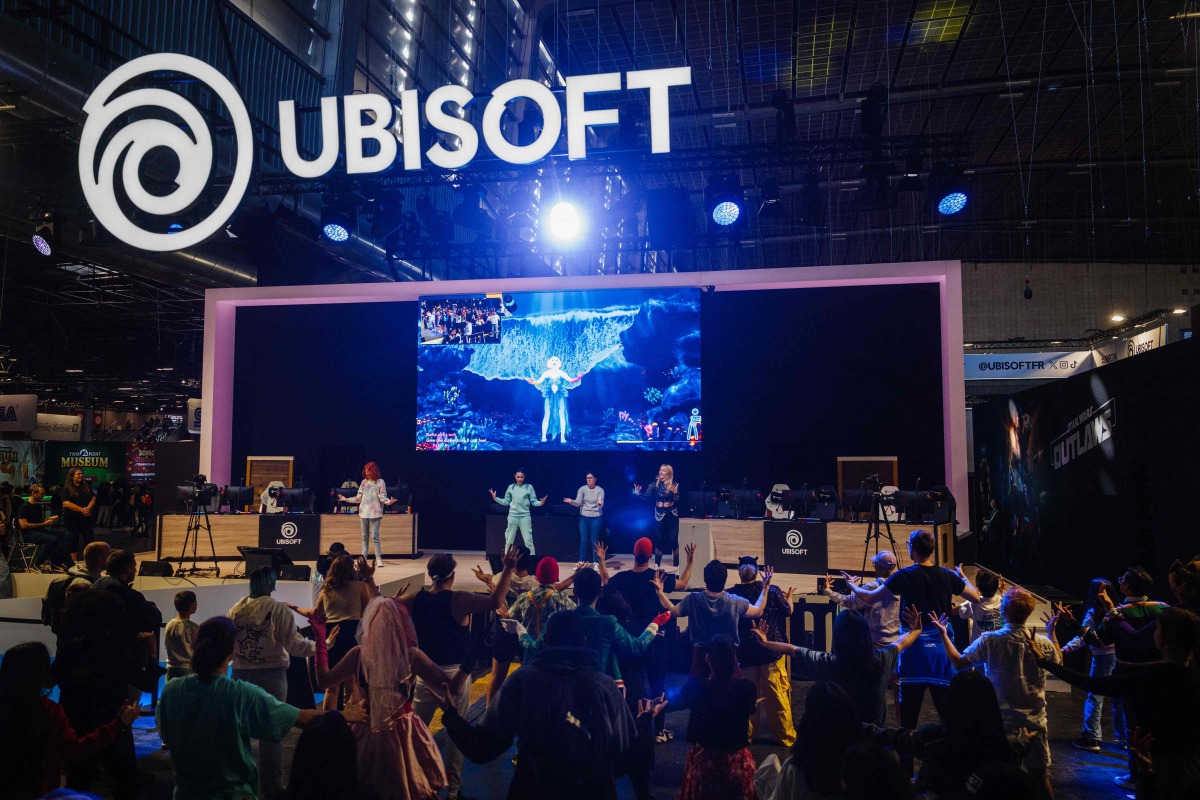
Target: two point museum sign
<point>363,118</point>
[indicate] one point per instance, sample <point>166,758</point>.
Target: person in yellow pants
<point>768,670</point>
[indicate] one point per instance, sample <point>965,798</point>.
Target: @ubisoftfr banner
<point>798,546</point>
<point>1012,366</point>
<point>151,118</point>
<point>298,534</point>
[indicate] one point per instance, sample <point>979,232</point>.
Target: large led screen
<point>600,370</point>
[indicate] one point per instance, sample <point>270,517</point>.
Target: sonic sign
<point>364,117</point>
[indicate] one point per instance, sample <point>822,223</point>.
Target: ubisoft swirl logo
<point>794,539</point>
<point>193,148</point>
<point>288,530</point>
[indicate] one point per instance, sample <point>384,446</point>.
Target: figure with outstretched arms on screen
<point>518,498</point>
<point>554,384</point>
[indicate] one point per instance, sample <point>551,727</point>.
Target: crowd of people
<point>592,698</point>
<point>463,320</point>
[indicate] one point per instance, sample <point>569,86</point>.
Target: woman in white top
<point>371,498</point>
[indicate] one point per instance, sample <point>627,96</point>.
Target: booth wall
<point>792,379</point>
<point>1117,495</point>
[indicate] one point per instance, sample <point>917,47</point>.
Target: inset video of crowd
<point>602,370</point>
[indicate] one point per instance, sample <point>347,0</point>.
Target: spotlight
<point>563,222</point>
<point>1118,317</point>
<point>336,222</point>
<point>724,201</point>
<point>1178,310</point>
<point>950,190</point>
<point>45,235</point>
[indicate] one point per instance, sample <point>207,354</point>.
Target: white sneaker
<point>380,563</point>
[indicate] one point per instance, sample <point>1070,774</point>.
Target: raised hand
<point>846,576</point>
<point>787,594</point>
<point>482,576</point>
<point>582,565</point>
<point>1103,597</point>
<point>768,573</point>
<point>601,551</point>
<point>941,623</point>
<point>568,500</point>
<point>759,629</point>
<point>959,572</point>
<point>356,710</point>
<point>129,714</point>
<point>511,556</point>
<point>637,489</point>
<point>829,579</point>
<point>1050,621</point>
<point>492,492</point>
<point>912,618</point>
<point>443,699</point>
<point>657,580</point>
<point>542,500</point>
<point>1140,744</point>
<point>689,550</point>
<point>1063,611</point>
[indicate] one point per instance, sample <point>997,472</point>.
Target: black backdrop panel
<point>556,536</point>
<point>1102,476</point>
<point>798,547</point>
<point>175,464</point>
<point>792,380</point>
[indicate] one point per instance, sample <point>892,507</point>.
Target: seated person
<point>36,528</point>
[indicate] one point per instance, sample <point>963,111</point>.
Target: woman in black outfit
<point>719,763</point>
<point>1166,700</point>
<point>78,503</point>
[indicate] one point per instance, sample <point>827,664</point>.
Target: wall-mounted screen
<point>599,370</point>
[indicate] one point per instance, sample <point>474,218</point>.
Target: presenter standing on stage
<point>665,492</point>
<point>590,501</point>
<point>371,498</point>
<point>519,498</point>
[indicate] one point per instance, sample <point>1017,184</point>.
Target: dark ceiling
<point>1075,122</point>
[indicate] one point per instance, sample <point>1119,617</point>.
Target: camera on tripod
<point>199,480</point>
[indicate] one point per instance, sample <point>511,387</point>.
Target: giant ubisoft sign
<point>394,129</point>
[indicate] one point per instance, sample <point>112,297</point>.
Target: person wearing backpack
<point>533,608</point>
<point>570,721</point>
<point>95,557</point>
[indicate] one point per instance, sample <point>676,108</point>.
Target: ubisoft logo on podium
<point>795,542</point>
<point>289,533</point>
<point>192,147</point>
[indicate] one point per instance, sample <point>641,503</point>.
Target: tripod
<point>873,531</point>
<point>197,519</point>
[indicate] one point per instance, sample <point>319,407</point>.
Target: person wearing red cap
<point>665,493</point>
<point>636,586</point>
<point>533,608</point>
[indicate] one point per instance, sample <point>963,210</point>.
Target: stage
<point>397,535</point>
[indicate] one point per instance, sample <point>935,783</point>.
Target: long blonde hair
<point>670,475</point>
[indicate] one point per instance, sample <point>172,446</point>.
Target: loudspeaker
<point>295,572</point>
<point>156,569</point>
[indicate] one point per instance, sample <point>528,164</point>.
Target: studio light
<point>45,235</point>
<point>563,222</point>
<point>950,190</point>
<point>724,201</point>
<point>1178,310</point>
<point>911,182</point>
<point>336,223</point>
<point>1118,318</point>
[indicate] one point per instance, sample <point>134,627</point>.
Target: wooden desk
<point>397,534</point>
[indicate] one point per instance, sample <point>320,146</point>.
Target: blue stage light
<point>174,227</point>
<point>337,221</point>
<point>726,212</point>
<point>335,232</point>
<point>42,245</point>
<point>952,203</point>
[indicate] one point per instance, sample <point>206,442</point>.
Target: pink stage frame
<point>220,331</point>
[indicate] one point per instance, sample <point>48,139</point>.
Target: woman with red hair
<point>371,498</point>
